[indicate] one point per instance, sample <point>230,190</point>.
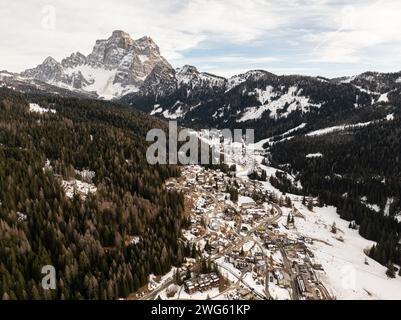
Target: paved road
<point>153,294</point>
<point>324,291</point>
<point>241,279</point>
<point>287,265</point>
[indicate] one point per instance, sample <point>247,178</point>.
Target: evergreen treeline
<point>89,241</point>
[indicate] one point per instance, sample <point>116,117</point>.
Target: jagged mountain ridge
<point>19,83</point>
<point>115,66</point>
<point>269,103</point>
<point>135,73</point>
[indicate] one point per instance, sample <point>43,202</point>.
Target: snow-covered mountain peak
<point>48,70</point>
<point>186,74</point>
<point>146,43</point>
<point>187,69</point>
<point>190,76</point>
<point>50,61</point>
<point>243,77</point>
<point>374,83</point>
<point>109,53</point>
<point>116,66</point>
<point>121,39</point>
<point>73,60</point>
<point>116,34</point>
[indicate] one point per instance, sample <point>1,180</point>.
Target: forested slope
<point>104,244</point>
<point>353,170</point>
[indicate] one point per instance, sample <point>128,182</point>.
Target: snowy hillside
<point>279,104</point>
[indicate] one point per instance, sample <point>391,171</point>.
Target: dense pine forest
<point>356,168</point>
<point>103,245</point>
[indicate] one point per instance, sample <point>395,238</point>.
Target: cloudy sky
<point>226,37</point>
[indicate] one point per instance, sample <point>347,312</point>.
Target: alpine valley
<point>328,154</point>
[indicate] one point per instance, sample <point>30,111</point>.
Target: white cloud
<point>229,72</point>
<point>175,25</point>
<point>228,66</point>
<point>300,31</point>
<point>234,60</point>
<point>359,27</point>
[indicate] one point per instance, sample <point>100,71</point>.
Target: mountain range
<point>135,73</point>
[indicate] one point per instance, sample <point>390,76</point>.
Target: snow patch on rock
<point>280,105</point>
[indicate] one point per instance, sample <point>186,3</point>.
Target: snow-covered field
<point>278,293</point>
<point>153,283</point>
<point>349,273</point>
<point>33,107</point>
<point>337,128</point>
<point>78,187</point>
<point>314,155</point>
<point>101,81</point>
<point>275,102</point>
<point>327,130</point>
<point>250,281</point>
<point>178,113</point>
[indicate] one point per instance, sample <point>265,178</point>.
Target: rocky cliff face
<point>74,60</point>
<point>189,76</point>
<point>47,71</point>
